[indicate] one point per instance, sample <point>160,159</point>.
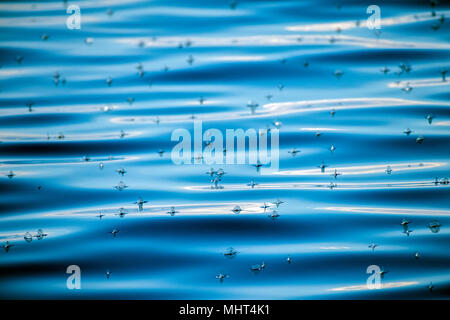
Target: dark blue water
<point>331,70</point>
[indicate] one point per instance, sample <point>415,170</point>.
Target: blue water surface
<point>314,68</point>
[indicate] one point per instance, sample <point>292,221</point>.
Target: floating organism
<point>258,165</point>
<point>385,70</point>
<point>277,124</point>
<point>7,246</point>
<point>258,267</point>
<point>293,152</point>
<point>157,121</point>
<point>278,202</point>
<point>28,237</point>
<point>388,170</point>
<point>122,212</point>
<point>140,203</point>
<point>420,139</point>
<point>30,106</point>
<point>435,226</point>
<point>130,100</point>
<point>405,67</point>
<point>121,171</point>
<point>407,232</point>
<point>114,232</point>
<point>265,206</point>
<point>443,74</point>
<point>40,234</point>
<point>252,105</point>
<point>407,88</point>
<point>335,174</point>
<point>252,184</point>
<point>215,183</point>
<point>338,74</point>
<point>230,252</point>
<point>405,223</point>
<point>19,59</point>
<point>211,172</point>
<point>274,215</point>
<point>221,277</point>
<point>220,172</point>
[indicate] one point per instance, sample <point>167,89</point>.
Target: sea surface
<point>76,105</point>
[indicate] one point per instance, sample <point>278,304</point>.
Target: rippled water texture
<point>77,105</point>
